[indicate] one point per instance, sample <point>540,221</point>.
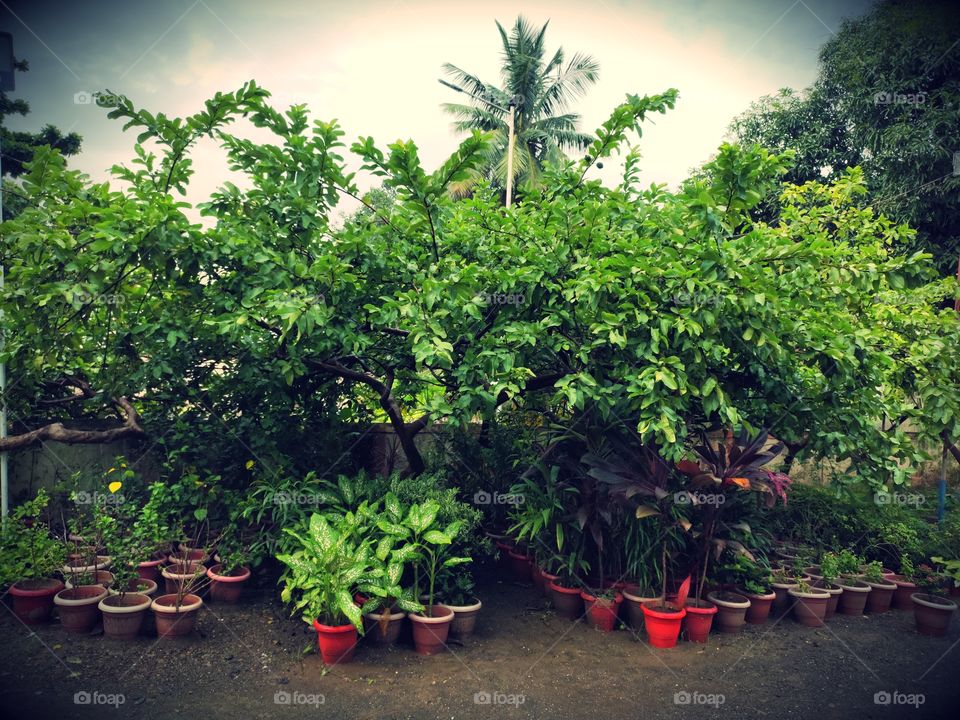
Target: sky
<point>373,65</point>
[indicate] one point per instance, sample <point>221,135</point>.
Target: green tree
<point>542,87</point>
<point>886,98</point>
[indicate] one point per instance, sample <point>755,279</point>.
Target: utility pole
<point>7,84</point>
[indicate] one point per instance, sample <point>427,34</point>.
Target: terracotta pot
<point>881,595</point>
<point>567,601</point>
<point>33,599</point>
<point>171,621</point>
<point>902,596</point>
<point>139,586</point>
<point>150,569</point>
<point>731,610</point>
<point>835,592</point>
<point>547,579</point>
<point>504,547</point>
<point>932,614</point>
<point>662,623</point>
<point>430,631</point>
<point>814,572</point>
<point>123,616</point>
<point>103,578</point>
<point>178,575</point>
<point>854,597</point>
<point>809,608</point>
<point>634,599</point>
<point>760,605</point>
<point>601,612</point>
<point>536,576</point>
<point>77,607</point>
<point>520,564</point>
<point>186,554</point>
<point>101,562</point>
<point>227,588</point>
<point>698,620</point>
<point>336,642</point>
<point>383,627</point>
<point>782,600</point>
<point>464,619</point>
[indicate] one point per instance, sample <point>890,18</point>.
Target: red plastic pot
<point>662,623</point>
<point>698,620</point>
<point>601,612</point>
<point>336,642</point>
<point>227,588</point>
<point>567,601</point>
<point>33,599</point>
<point>520,564</point>
<point>430,631</point>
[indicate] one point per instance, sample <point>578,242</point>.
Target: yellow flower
<point>249,464</point>
<point>111,470</point>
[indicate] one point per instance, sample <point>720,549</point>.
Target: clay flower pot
<point>84,565</point>
<point>383,627</point>
<point>123,615</point>
<point>662,622</point>
<point>175,622</point>
<point>698,619</point>
<point>77,607</point>
<point>813,572</point>
<point>731,610</point>
<point>902,599</point>
<point>150,569</point>
<point>140,586</point>
<point>547,579</point>
<point>932,613</point>
<point>464,619</point>
<point>634,598</point>
<point>854,597</point>
<point>227,588</point>
<point>881,595</point>
<point>336,642</point>
<point>430,631</point>
<point>810,607</point>
<point>782,600</point>
<point>503,554</point>
<point>178,575</point>
<point>520,564</point>
<point>835,592</point>
<point>104,578</point>
<point>760,605</point>
<point>536,576</point>
<point>188,556</point>
<point>33,599</point>
<point>601,612</point>
<point>567,601</point>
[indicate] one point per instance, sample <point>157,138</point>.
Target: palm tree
<point>541,91</point>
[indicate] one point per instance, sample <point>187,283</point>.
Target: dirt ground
<point>245,662</point>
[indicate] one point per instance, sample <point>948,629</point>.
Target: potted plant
<point>565,588</point>
<point>782,582</point>
<point>881,589</point>
<point>752,582</point>
<point>29,556</point>
<point>230,573</point>
<point>932,610</point>
<point>458,592</point>
<point>731,610</point>
<point>809,603</point>
<point>829,572</point>
<point>330,563</point>
<point>905,582</point>
<point>602,607</point>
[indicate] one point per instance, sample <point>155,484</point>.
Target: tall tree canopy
<point>887,98</point>
<point>543,86</point>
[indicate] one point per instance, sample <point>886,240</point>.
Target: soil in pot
<point>810,607</point>
<point>227,588</point>
<point>932,614</point>
<point>601,612</point>
<point>731,610</point>
<point>77,607</point>
<point>464,621</point>
<point>336,642</point>
<point>123,615</point>
<point>698,619</point>
<point>902,599</point>
<point>33,599</point>
<point>662,622</point>
<point>567,601</point>
<point>634,597</point>
<point>853,599</point>
<point>383,627</point>
<point>430,630</point>
<point>881,595</point>
<point>173,622</point>
<point>760,605</point>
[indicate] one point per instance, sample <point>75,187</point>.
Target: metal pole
<point>942,488</point>
<point>510,154</point>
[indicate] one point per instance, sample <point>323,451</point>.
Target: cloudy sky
<point>374,64</point>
